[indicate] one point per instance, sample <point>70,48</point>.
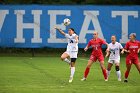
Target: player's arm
<point>122,49</point>
<point>76,39</point>
<point>60,30</point>
<point>126,48</point>
<point>107,50</point>
<point>107,46</point>
<point>127,51</point>
<point>139,48</point>
<point>107,53</point>
<point>104,42</point>
<point>87,47</point>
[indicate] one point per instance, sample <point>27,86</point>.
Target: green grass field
<point>50,75</point>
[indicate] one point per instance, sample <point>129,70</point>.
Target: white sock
<point>67,61</point>
<point>108,73</point>
<point>118,74</point>
<point>72,71</point>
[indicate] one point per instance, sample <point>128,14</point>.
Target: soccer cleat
<point>83,79</point>
<point>119,80</point>
<point>106,79</point>
<point>71,79</point>
<point>125,80</point>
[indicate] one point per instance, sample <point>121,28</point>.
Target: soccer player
<point>114,52</point>
<point>96,54</point>
<point>72,50</point>
<point>132,48</point>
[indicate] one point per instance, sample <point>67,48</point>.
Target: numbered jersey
<point>72,45</point>
<point>133,48</point>
<point>115,51</point>
<point>96,46</point>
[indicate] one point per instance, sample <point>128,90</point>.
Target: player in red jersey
<point>96,54</point>
<point>132,48</point>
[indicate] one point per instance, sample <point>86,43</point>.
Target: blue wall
<point>107,20</point>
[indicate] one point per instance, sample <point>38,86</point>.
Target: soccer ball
<point>67,21</point>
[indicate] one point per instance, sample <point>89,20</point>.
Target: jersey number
<point>71,41</point>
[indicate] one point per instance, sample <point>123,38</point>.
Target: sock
<point>126,74</point>
<point>118,74</point>
<point>108,73</point>
<point>86,72</point>
<point>72,71</point>
<point>104,73</point>
<point>67,61</point>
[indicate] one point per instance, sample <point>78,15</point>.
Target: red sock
<point>126,74</point>
<point>104,73</point>
<point>86,72</point>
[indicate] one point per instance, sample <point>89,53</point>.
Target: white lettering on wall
<point>90,16</point>
<point>35,26</point>
<point>53,18</point>
<point>124,15</point>
<point>3,14</point>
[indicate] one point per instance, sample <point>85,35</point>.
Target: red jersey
<point>133,48</point>
<point>96,46</point>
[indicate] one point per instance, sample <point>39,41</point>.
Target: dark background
<point>69,2</point>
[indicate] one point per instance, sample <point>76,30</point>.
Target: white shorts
<point>72,54</point>
<point>112,61</point>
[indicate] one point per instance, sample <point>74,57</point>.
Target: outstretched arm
<point>88,45</point>
<point>127,51</point>
<point>86,48</point>
<point>126,48</point>
<point>104,42</point>
<point>107,49</point>
<point>107,53</point>
<point>60,30</point>
<point>123,50</point>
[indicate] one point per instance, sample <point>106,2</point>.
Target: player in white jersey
<point>114,58</point>
<point>72,50</point>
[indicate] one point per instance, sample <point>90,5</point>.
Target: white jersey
<point>72,46</point>
<point>115,51</point>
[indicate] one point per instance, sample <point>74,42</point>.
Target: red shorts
<point>132,61</point>
<point>94,58</point>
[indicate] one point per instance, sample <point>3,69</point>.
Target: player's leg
<point>104,71</point>
<point>138,67</point>
<point>86,72</point>
<point>64,57</point>
<point>137,64</point>
<point>118,72</point>
<point>128,68</point>
<point>73,57</point>
<point>89,64</point>
<point>110,64</point>
<point>73,60</point>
